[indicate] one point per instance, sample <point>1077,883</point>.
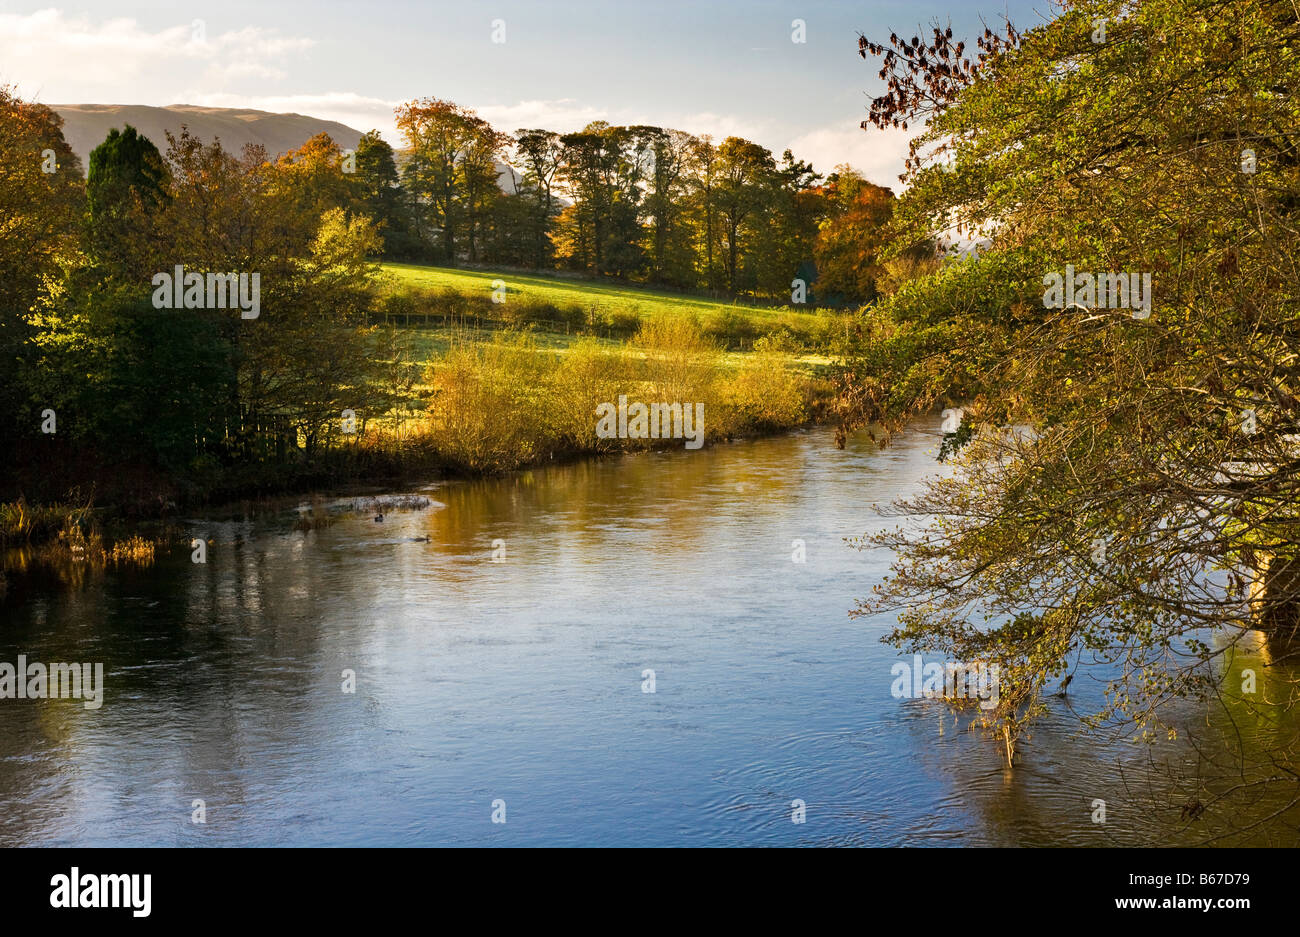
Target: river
<point>516,684</point>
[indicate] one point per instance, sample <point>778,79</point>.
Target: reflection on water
<point>521,680</point>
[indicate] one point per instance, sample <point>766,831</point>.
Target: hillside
<point>86,126</point>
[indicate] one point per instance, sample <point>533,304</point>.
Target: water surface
<point>521,680</point>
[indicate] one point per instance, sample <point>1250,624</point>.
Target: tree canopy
<point>1127,491</point>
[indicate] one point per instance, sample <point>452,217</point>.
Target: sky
<point>719,68</point>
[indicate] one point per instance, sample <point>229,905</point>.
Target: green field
<point>590,293</point>
<point>603,299</point>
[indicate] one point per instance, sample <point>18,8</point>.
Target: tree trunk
<point>1275,599</point>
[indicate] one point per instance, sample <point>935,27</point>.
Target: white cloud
<point>721,126</point>
<point>877,154</point>
<point>563,115</point>
<point>247,70</point>
<point>56,56</point>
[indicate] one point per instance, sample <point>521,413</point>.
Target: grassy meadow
<point>453,303</point>
<point>588,293</point>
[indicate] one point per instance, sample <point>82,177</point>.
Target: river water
<point>520,678</point>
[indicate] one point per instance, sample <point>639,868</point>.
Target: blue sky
<point>716,68</point>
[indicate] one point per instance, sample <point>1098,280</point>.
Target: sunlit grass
<point>591,293</point>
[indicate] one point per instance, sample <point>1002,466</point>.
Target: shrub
<point>588,374</point>
<point>486,410</point>
<point>765,394</point>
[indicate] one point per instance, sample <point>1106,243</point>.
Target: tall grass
<point>24,523</point>
<point>487,398</point>
<point>505,403</point>
<point>66,538</point>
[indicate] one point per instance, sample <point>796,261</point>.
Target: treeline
<point>641,203</point>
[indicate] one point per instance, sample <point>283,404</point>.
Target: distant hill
<point>86,126</point>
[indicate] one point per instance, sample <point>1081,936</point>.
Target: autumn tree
<point>541,154</point>
<point>452,154</point>
<point>704,180</point>
<point>379,193</point>
<point>125,190</point>
<point>851,239</point>
<point>1127,490</point>
<point>590,172</point>
<point>41,200</point>
<point>482,193</point>
<point>741,197</point>
<point>794,208</point>
<point>41,206</point>
<point>667,203</point>
<point>313,175</point>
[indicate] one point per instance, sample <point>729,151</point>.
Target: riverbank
<point>478,407</point>
<point>62,543</point>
